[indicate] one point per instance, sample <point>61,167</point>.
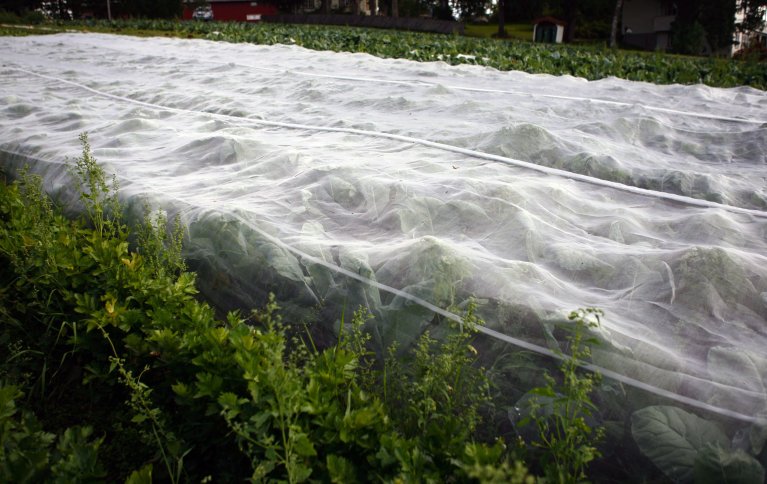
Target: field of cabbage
<point>415,189</point>
<point>587,62</point>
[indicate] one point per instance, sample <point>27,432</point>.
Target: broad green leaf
<point>715,465</point>
<point>340,469</point>
<point>139,418</point>
<point>7,405</point>
<point>540,401</point>
<point>362,417</point>
<point>208,385</point>
<point>643,361</point>
<point>672,438</point>
<point>757,435</point>
<point>739,376</point>
<point>141,476</point>
<point>229,401</point>
<point>302,445</point>
<point>298,471</point>
<point>181,389</point>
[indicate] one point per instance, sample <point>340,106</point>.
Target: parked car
<point>203,13</point>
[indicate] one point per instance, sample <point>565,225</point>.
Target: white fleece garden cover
<point>344,179</point>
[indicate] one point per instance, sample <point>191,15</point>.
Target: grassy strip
<point>514,31</point>
<point>7,30</point>
<point>133,378</point>
<point>590,62</point>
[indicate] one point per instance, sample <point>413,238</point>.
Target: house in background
<point>548,29</point>
<point>745,39</point>
<point>235,10</point>
<point>346,6</point>
<point>241,10</point>
<point>254,11</point>
<point>647,25</point>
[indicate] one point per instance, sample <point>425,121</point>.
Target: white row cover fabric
<point>343,179</point>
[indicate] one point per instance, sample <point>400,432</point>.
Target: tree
<point>502,19</point>
<point>753,15</point>
<point>522,10</point>
<point>152,8</point>
<point>19,7</point>
<point>413,8</point>
<point>571,16</point>
<point>468,9</point>
<point>718,21</point>
<point>687,34</point>
<point>614,25</point>
<point>704,26</point>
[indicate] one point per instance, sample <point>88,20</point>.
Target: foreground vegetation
<point>115,371</point>
<point>587,62</point>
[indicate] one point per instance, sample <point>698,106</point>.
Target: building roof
<point>549,20</point>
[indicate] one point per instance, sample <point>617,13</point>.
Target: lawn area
<point>515,31</point>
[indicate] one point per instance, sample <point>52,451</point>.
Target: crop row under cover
<point>337,180</point>
<point>587,62</point>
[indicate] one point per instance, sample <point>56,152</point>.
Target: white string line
<point>431,144</point>
<point>516,341</point>
<point>491,332</point>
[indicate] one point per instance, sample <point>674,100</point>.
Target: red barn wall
<point>239,11</point>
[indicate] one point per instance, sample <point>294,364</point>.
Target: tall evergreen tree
<point>571,18</point>
<point>19,7</point>
<point>703,26</point>
<point>753,15</point>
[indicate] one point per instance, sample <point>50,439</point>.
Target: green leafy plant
<point>29,454</point>
<point>97,194</point>
<point>305,414</point>
<point>68,281</point>
<point>161,249</point>
<point>688,448</point>
<point>490,464</point>
<point>435,394</point>
<point>146,413</point>
<point>560,411</point>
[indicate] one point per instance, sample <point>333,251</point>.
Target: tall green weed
<point>566,442</point>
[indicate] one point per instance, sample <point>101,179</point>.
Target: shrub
<point>29,454</point>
